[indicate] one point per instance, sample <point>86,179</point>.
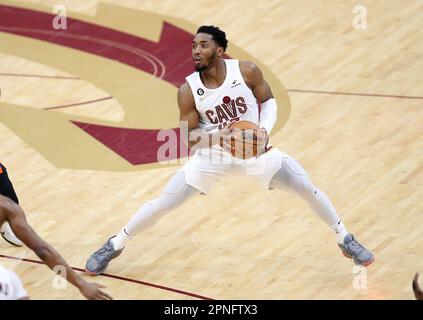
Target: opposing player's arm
<point>417,291</point>
<point>13,213</point>
<point>187,112</point>
<point>253,77</point>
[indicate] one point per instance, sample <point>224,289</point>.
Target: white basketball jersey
<point>11,287</point>
<point>230,102</point>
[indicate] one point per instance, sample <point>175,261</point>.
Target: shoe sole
<point>93,274</point>
<point>364,264</point>
<point>12,243</point>
<point>346,254</point>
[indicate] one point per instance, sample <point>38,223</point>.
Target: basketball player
<point>418,293</point>
<point>12,213</point>
<point>219,92</point>
<point>6,189</point>
<point>11,287</point>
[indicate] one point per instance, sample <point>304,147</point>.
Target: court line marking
<point>375,95</point>
<point>144,283</point>
<point>36,76</point>
<point>77,103</point>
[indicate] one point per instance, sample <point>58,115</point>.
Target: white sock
<point>340,230</point>
<point>121,239</point>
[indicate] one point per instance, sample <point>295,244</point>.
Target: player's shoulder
<point>184,88</point>
<point>248,67</point>
<point>185,96</point>
<point>251,73</point>
<point>3,202</point>
<point>6,204</point>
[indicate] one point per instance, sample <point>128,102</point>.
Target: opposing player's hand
<point>92,291</point>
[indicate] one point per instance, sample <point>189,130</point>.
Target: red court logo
<point>109,58</point>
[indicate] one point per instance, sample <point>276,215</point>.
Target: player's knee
<point>293,167</point>
<point>177,185</point>
<point>170,201</point>
<point>304,188</point>
<point>311,193</point>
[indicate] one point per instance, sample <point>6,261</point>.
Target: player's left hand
<point>250,136</point>
<point>245,143</point>
<point>225,137</point>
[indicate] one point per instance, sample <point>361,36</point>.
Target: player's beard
<point>205,66</point>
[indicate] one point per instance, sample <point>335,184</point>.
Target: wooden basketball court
<point>73,108</point>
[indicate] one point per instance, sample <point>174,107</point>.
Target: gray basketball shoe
<point>352,249</point>
<point>100,259</point>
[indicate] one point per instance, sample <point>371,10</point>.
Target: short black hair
<point>219,36</point>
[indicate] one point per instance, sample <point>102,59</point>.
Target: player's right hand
<point>92,291</point>
<point>224,135</point>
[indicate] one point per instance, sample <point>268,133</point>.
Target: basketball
<point>243,124</point>
<point>245,142</point>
